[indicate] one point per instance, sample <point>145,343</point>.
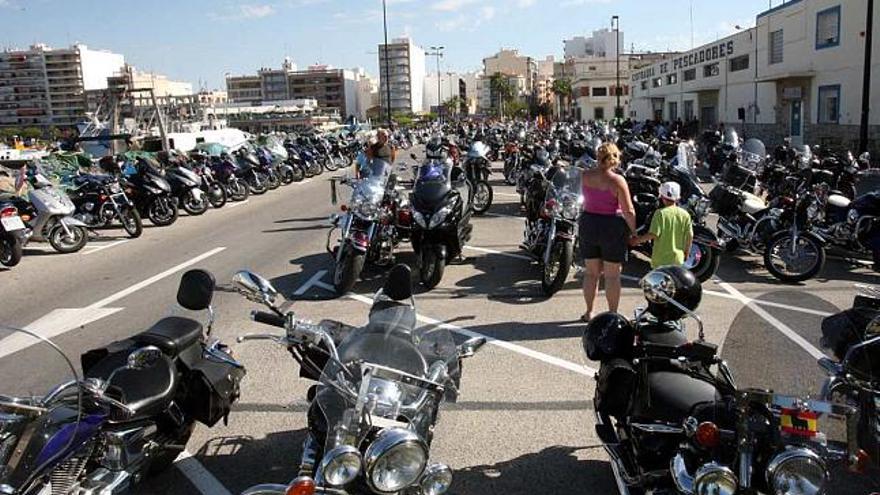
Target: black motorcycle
<point>248,169</point>
<point>186,185</point>
<point>12,234</point>
<point>145,184</point>
<point>441,203</point>
<point>372,414</point>
<point>100,200</point>
<point>477,168</point>
<point>131,412</point>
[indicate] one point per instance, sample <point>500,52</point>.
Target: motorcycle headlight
<point>853,216</point>
<point>341,465</point>
<point>395,460</point>
<point>436,480</point>
<point>797,472</point>
<point>570,207</point>
<point>420,219</point>
<point>364,208</point>
<point>714,479</point>
<point>440,216</point>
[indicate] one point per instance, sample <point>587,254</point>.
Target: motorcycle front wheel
<point>162,211</point>
<point>347,270</point>
<point>315,168</point>
<point>555,272</point>
<point>238,190</point>
<point>193,206</point>
<point>131,222</point>
<point>432,267</point>
<point>706,261</point>
<point>330,164</point>
<point>216,195</point>
<point>272,181</point>
<point>509,176</point>
<point>258,185</point>
<point>286,176</point>
<point>791,261</point>
<point>11,249</point>
<point>66,244</point>
<point>482,197</point>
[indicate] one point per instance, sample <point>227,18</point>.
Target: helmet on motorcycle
<point>435,149</point>
<point>668,289</point>
<point>608,336</point>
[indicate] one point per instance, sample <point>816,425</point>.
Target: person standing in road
<point>381,148</point>
<point>671,230</point>
<point>605,226</point>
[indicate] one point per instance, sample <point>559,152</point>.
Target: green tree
<point>502,90</point>
<point>563,91</point>
<point>32,133</point>
<point>453,105</point>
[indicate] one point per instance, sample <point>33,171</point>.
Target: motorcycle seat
<point>662,335</point>
<point>147,391</point>
<point>673,395</point>
<point>172,334</point>
<point>752,204</point>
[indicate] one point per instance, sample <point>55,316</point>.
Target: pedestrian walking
<point>605,227</point>
<point>671,230</point>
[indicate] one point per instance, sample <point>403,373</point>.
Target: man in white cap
<point>671,230</point>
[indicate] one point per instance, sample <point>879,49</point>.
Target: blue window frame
<point>828,28</point>
<point>829,104</point>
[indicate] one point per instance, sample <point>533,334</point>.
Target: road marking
<point>199,476</point>
<point>540,356</point>
<point>239,203</point>
<point>782,327</point>
<point>155,278</point>
<point>55,323</point>
<point>499,215</point>
<point>500,253</point>
<point>95,249</point>
<point>312,282</point>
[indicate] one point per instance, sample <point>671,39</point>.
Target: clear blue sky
<point>203,39</point>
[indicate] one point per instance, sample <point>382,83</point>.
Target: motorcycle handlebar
<point>268,319</point>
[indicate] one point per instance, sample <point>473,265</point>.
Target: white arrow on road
<point>53,324</point>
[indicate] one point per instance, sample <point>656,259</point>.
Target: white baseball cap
<point>670,191</point>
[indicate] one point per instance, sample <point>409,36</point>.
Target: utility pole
<point>618,111</point>
<point>866,86</point>
<point>387,66</point>
<point>437,51</point>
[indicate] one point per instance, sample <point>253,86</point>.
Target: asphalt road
<point>523,423</point>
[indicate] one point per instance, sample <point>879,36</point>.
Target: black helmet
<point>675,283</point>
<point>608,336</point>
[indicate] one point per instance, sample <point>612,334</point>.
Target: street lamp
<point>387,66</point>
<point>615,24</point>
<point>437,51</point>
<point>866,83</point>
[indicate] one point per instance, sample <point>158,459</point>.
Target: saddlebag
<point>212,387</point>
<point>615,385</point>
<point>725,200</point>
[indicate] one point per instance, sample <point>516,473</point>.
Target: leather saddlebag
<point>615,386</point>
<point>212,388</point>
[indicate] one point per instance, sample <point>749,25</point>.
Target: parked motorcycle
<point>128,415</point>
<point>797,251</point>
<point>441,201</point>
<point>208,183</point>
<point>228,174</point>
<point>248,169</point>
<point>12,234</point>
<point>672,419</point>
<point>372,415</point>
<point>477,169</point>
<point>144,182</point>
<point>100,200</point>
<point>853,226</point>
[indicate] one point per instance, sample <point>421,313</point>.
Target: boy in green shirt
<point>671,230</point>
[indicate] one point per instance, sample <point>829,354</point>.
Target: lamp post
<point>615,24</point>
<point>437,51</point>
<point>866,86</point>
<point>387,66</point>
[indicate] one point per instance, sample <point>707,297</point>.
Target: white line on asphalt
<point>540,356</point>
<point>55,323</point>
<point>782,327</point>
<point>500,253</point>
<point>155,278</point>
<point>239,203</point>
<point>316,278</point>
<point>96,249</point>
<point>199,476</point>
<point>499,215</point>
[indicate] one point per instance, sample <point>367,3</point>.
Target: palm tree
<point>453,105</point>
<point>562,90</point>
<point>500,86</point>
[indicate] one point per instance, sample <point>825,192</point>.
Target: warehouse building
<point>798,74</point>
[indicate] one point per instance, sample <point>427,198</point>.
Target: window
<point>673,111</point>
<point>600,91</point>
<point>599,113</point>
<point>739,63</point>
<point>689,110</point>
<point>776,47</point>
<point>829,104</point>
<point>690,74</point>
<point>672,79</point>
<point>644,85</point>
<point>828,28</point>
<point>711,70</point>
<point>658,82</point>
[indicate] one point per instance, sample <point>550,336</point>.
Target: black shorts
<point>603,237</point>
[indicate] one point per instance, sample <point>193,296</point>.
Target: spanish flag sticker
<point>799,423</point>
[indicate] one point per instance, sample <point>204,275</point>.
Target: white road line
<point>155,278</point>
<point>782,327</point>
<point>540,356</point>
<point>199,476</point>
<point>500,253</point>
<point>239,203</point>
<point>96,249</point>
<point>57,322</point>
<point>311,283</point>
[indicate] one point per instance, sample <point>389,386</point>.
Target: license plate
<point>12,223</point>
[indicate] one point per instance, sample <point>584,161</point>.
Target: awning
<point>787,75</point>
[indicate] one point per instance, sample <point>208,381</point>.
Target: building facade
<point>244,89</point>
<point>404,69</point>
<point>44,86</point>
<point>602,44</point>
<point>797,74</point>
<point>511,63</point>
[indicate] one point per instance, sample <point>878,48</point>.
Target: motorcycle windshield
<point>434,171</point>
<point>275,145</point>
<point>731,138</point>
<point>754,152</point>
<point>368,192</point>
<point>36,434</point>
<point>382,380</point>
<point>567,180</point>
<point>686,159</point>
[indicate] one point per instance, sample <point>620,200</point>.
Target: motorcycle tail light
<point>103,197</point>
<point>404,217</point>
<point>9,211</point>
<point>708,435</point>
<point>343,208</point>
<point>301,486</point>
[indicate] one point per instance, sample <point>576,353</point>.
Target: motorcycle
<point>48,214</point>
<point>853,336</point>
<point>797,251</point>
<point>12,234</point>
<point>100,199</point>
<point>853,226</point>
<point>208,183</point>
<point>380,388</point>
<point>441,201</point>
<point>672,419</point>
<point>477,170</point>
<point>227,173</point>
<point>248,170</point>
<point>551,236</point>
<point>128,415</point>
<point>367,226</point>
<point>144,182</point>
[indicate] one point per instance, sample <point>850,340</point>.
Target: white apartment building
<point>451,84</point>
<point>602,44</point>
<point>797,74</point>
<point>44,86</point>
<point>404,69</point>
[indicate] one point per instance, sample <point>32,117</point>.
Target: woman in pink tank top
<point>606,224</point>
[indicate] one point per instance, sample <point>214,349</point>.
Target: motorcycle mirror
<point>659,288</point>
<point>143,358</point>
<point>471,346</point>
<point>254,287</point>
